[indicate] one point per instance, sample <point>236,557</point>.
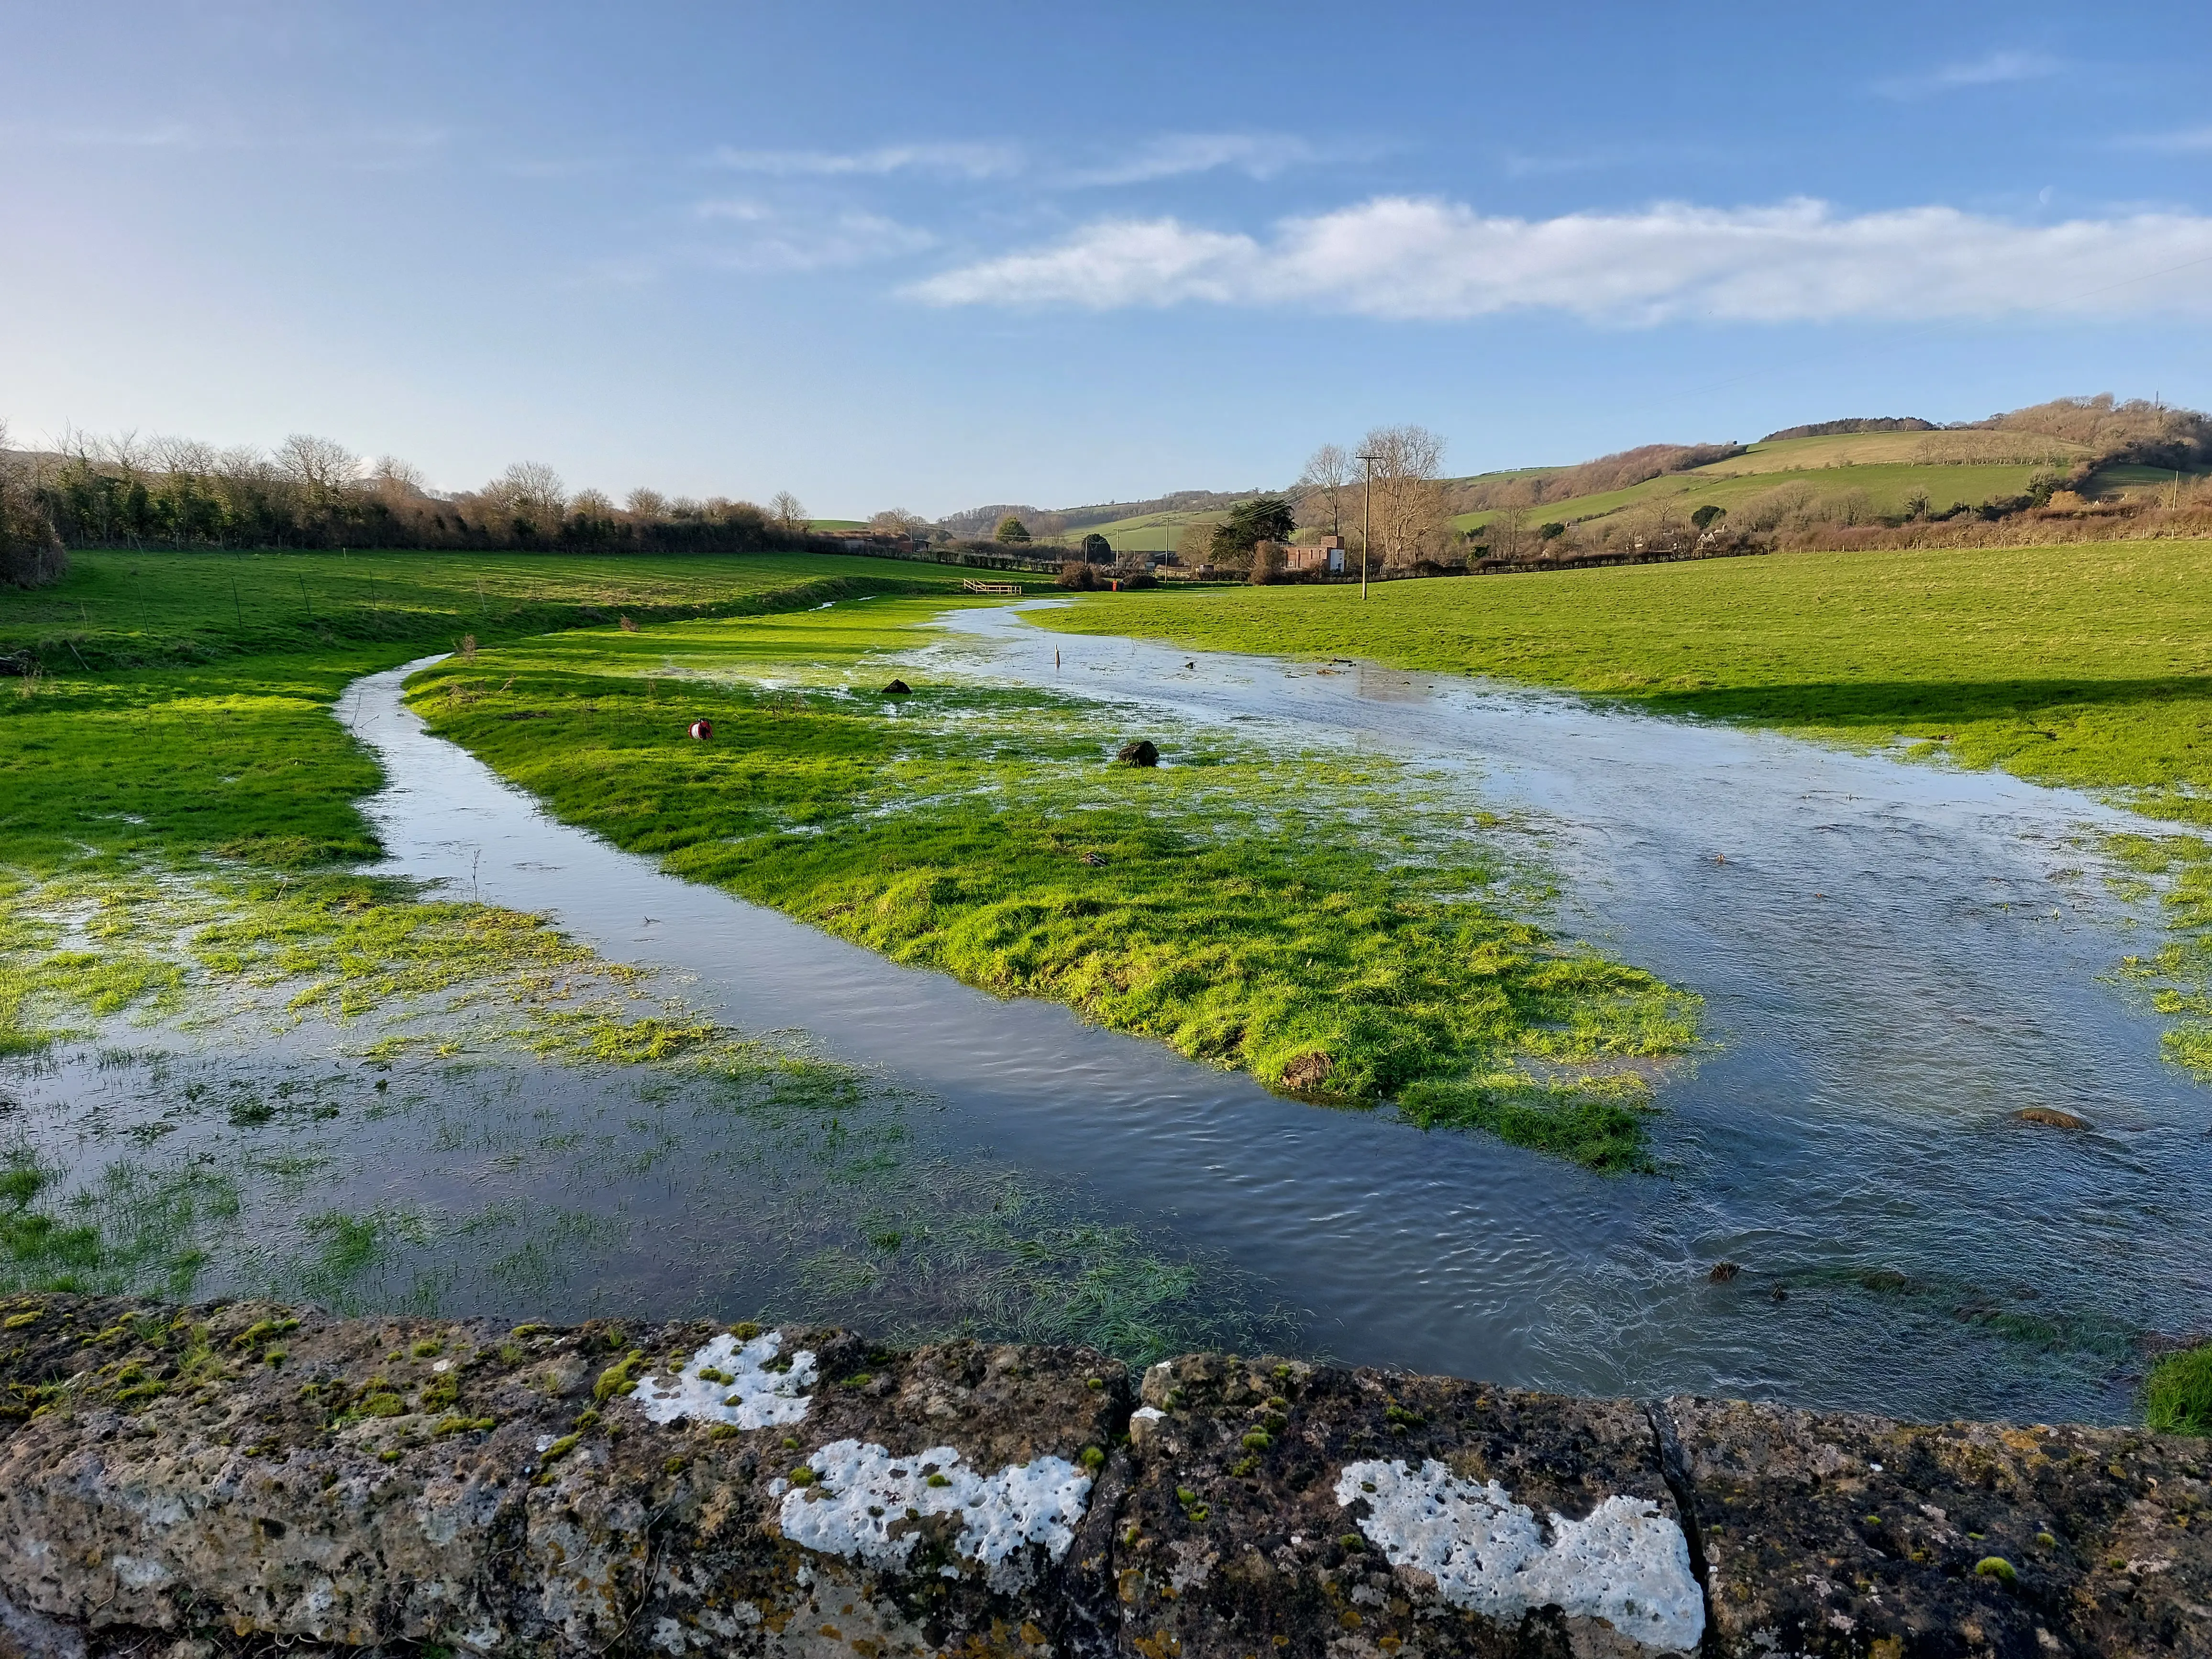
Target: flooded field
<point>1895,959</point>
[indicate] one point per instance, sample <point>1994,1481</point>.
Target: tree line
<point>313,492</point>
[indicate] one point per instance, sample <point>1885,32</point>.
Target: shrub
<point>1076,573</point>
<point>1011,529</point>
<point>31,554</point>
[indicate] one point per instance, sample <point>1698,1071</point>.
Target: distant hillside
<point>1047,522</point>
<point>1802,485</point>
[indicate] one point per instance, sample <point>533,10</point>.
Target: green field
<point>1147,533</point>
<point>2088,665</point>
<point>203,743</point>
<point>1889,468</point>
<point>118,611</point>
<point>1229,905</point>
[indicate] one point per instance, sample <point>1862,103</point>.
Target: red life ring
<point>702,729</point>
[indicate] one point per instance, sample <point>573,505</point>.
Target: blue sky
<point>939,256</point>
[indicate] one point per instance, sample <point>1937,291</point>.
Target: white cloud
<point>1998,68</point>
<point>1258,155</point>
<point>948,160</point>
<point>1798,261</point>
<point>775,240</point>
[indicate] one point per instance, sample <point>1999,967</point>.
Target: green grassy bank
<point>1249,908</point>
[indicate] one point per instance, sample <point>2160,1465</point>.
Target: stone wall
<point>246,1478</point>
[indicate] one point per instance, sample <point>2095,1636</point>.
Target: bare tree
<point>1507,533</point>
<point>1411,523</point>
<point>650,505</point>
<point>787,510</point>
<point>897,521</point>
<point>396,480</point>
<point>1325,487</point>
<point>126,451</point>
<point>184,457</point>
<point>323,469</point>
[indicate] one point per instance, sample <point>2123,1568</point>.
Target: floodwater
<point>1894,958</point>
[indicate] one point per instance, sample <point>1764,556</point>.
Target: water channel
<point>1895,957</point>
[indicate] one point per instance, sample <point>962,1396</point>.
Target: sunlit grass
<point>1306,918</point>
<point>2087,666</point>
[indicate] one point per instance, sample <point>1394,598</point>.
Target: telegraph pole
<point>1367,512</point>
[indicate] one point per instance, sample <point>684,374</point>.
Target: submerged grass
<point>1316,919</point>
<point>2177,975</point>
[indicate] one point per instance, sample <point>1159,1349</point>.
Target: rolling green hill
<point>1884,470</point>
<point>1829,476</point>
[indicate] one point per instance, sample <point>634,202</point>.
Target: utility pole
<point>1367,512</point>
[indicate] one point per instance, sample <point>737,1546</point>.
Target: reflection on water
<point>1894,959</point>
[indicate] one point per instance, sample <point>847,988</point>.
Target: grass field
<point>1147,533</point>
<point>1888,467</point>
<point>2089,666</point>
<point>1888,486</point>
<point>1239,904</point>
<point>123,610</point>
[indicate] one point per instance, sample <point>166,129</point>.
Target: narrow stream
<point>1895,957</point>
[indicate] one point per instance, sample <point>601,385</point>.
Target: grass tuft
<point>2177,1393</point>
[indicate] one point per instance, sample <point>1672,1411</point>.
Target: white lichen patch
<point>1625,1564</point>
<point>864,1503</point>
<point>729,1381</point>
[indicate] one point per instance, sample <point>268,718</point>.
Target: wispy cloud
<point>771,238</point>
<point>1997,69</point>
<point>962,161</point>
<point>2189,141</point>
<point>1172,155</point>
<point>1798,261</point>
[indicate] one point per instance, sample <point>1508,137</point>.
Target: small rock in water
<point>2051,1118</point>
<point>898,688</point>
<point>1722,1272</point>
<point>1140,753</point>
<point>1779,1294</point>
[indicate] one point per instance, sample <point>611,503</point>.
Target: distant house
<point>1325,556</point>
